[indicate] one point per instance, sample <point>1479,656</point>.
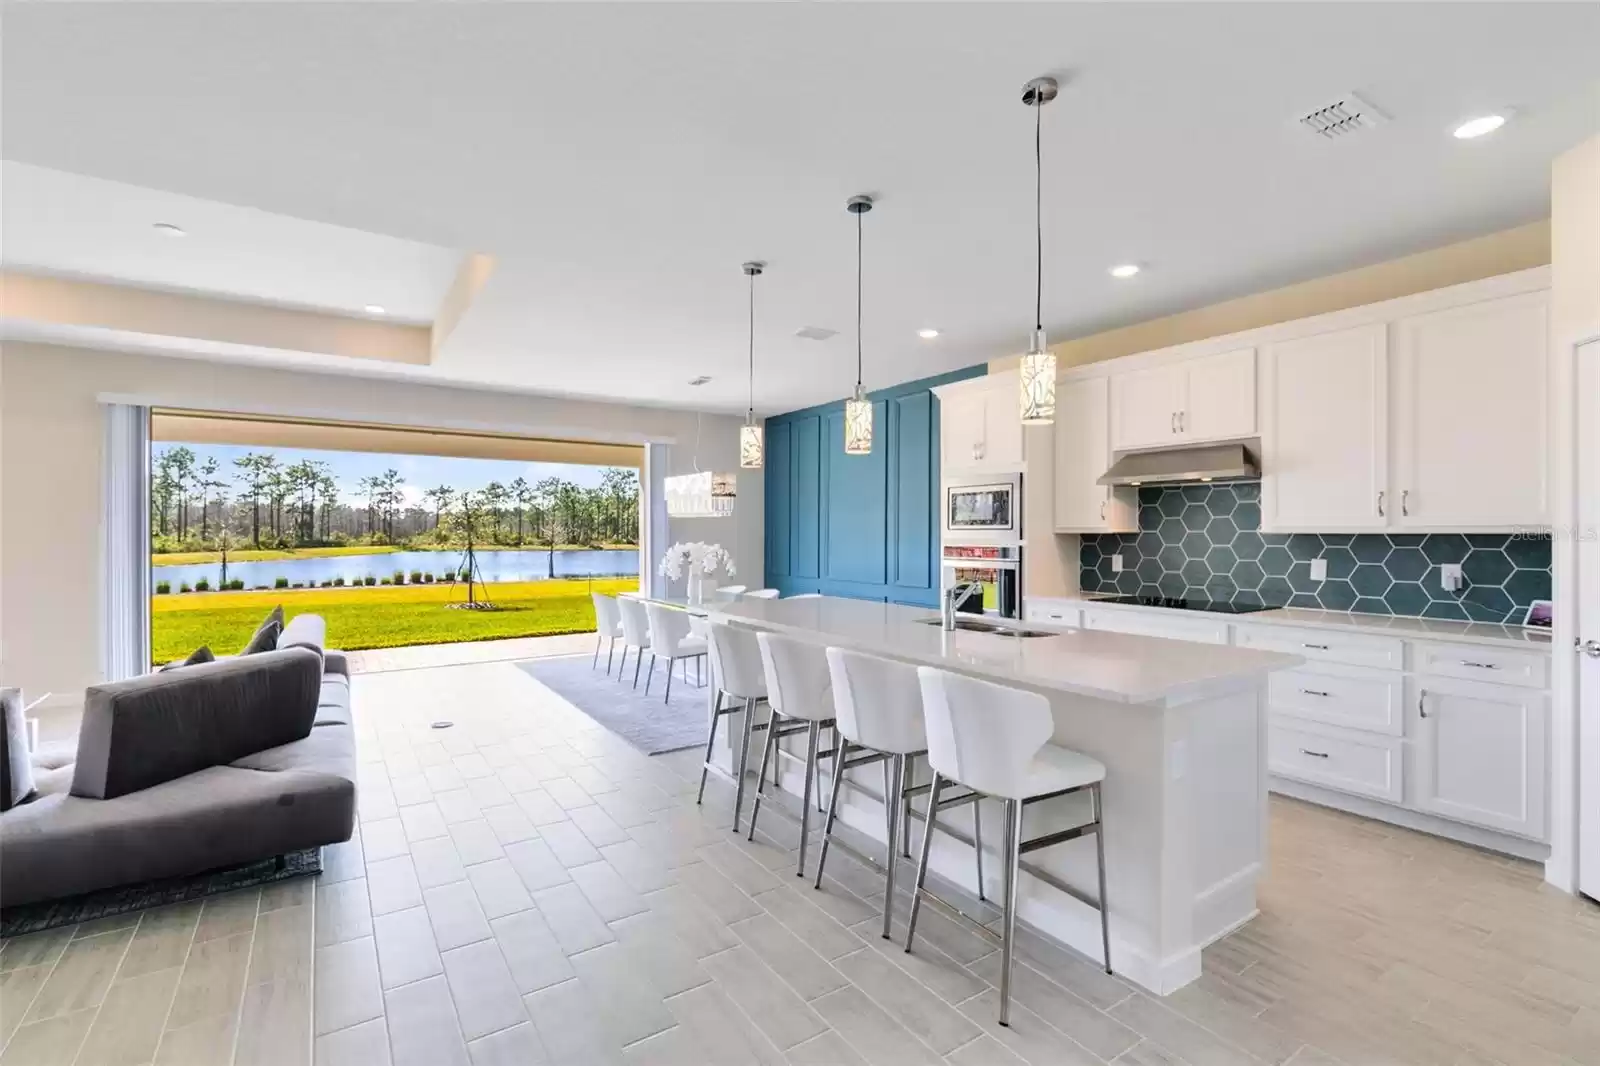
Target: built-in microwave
<point>986,511</point>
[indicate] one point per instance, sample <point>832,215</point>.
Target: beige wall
<point>1482,257</point>
<point>51,439</point>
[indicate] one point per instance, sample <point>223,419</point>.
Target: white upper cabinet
<point>1324,432</point>
<point>1205,399</point>
<point>1471,407</point>
<point>980,424</point>
<point>1082,454</point>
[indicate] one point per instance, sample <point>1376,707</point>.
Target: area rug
<point>644,721</point>
<point>32,917</point>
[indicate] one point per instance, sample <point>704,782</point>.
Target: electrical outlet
<point>1450,578</point>
<point>1319,570</point>
<point>1116,563</point>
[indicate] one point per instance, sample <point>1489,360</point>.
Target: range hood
<point>1176,466</point>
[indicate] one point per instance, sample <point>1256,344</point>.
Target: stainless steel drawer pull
<point>1314,692</point>
<point>1480,666</point>
<point>1314,754</point>
<point>1315,647</point>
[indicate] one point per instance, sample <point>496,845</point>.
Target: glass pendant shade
<point>1038,384</point>
<point>858,424</point>
<point>750,446</point>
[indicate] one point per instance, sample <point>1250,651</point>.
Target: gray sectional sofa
<point>194,769</point>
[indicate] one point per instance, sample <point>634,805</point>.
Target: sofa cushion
<point>265,637</point>
<point>333,703</point>
<point>158,727</point>
<point>202,654</point>
<point>16,769</point>
<point>335,662</point>
<point>304,631</point>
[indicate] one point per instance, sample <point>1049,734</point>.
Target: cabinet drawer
<point>1475,662</point>
<point>1156,623</point>
<point>1362,763</point>
<point>1330,646</point>
<point>1343,698</point>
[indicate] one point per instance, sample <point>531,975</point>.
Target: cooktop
<point>1181,603</point>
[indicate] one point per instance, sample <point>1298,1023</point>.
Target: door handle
<point>1591,648</point>
<point>1380,505</point>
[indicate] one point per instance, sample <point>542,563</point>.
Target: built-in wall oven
<point>981,543</point>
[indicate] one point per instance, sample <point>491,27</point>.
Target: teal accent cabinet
<point>863,526</point>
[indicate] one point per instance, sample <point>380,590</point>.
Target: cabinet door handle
<point>1173,421</point>
<point>1315,647</point>
<point>1102,510</point>
<point>1480,666</point>
<point>1314,754</point>
<point>1405,496</point>
<point>1422,704</point>
<point>1380,505</point>
<point>1183,418</point>
<point>1314,692</point>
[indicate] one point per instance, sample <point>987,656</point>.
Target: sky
<point>421,472</point>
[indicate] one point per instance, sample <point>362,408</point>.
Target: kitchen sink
<point>973,625</point>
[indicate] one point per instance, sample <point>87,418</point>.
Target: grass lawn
<point>252,555</point>
<point>379,616</point>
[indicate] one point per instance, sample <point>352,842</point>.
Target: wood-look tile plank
<point>422,1025</point>
<point>51,1041</point>
<point>81,976</point>
<point>128,1026</point>
<point>773,1006</point>
<point>536,865</point>
<point>787,956</point>
<point>213,979</point>
<point>342,912</point>
<point>392,885</point>
<point>35,949</point>
<point>275,1023</point>
<point>206,1042</point>
<point>630,998</point>
<point>500,891</point>
<point>437,862</point>
<point>911,1003</point>
<point>1094,1029</point>
<point>871,1031</point>
<point>573,1026</point>
<point>827,1049</point>
<point>348,988</point>
<point>606,892</point>
<point>518,1046</point>
<point>573,921</point>
<point>456,915</point>
<point>726,1032</point>
<point>406,948</point>
<point>17,989</point>
<point>665,960</point>
<point>366,1044</point>
<point>486,998</point>
<point>1029,1037</point>
<point>161,940</point>
<point>282,947</point>
<point>531,951</point>
<point>475,841</point>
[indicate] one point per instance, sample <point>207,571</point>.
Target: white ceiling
<point>621,161</point>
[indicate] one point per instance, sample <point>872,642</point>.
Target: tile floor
<point>526,889</point>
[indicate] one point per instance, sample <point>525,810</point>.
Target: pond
<point>493,566</point>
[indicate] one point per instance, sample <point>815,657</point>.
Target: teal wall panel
<point>861,526</point>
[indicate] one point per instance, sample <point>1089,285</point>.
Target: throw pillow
<point>266,637</point>
<point>16,769</point>
<point>202,654</point>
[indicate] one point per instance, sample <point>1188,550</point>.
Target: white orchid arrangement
<point>692,557</point>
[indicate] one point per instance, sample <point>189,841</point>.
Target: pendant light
<point>858,409</point>
<point>1038,377</point>
<point>750,442</point>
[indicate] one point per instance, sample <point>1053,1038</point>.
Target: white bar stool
<point>608,626</point>
<point>671,639</point>
<point>799,698</point>
<point>635,634</point>
<point>737,673</point>
<point>728,593</point>
<point>995,740</point>
<point>878,704</point>
<point>760,594</point>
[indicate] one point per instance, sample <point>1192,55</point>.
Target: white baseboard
<point>1488,839</point>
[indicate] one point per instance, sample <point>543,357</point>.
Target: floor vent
<point>1340,118</point>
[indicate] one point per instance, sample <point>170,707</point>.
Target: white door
<point>1145,406</point>
<point>1481,754</point>
<point>1220,400</point>
<point>1082,454</point>
<point>1588,586</point>
<point>1324,433</point>
<point>961,417</point>
<point>1471,411</point>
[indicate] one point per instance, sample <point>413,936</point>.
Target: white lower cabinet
<point>1157,623</point>
<point>1344,759</point>
<point>1480,754</point>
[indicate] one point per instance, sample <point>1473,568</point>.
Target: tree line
<point>263,502</point>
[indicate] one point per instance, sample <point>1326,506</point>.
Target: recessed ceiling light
<point>373,309</point>
<point>1125,270</point>
<point>1477,127</point>
<point>169,229</point>
<point>927,334</point>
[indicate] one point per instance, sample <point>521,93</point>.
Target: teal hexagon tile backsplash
<point>1204,542</point>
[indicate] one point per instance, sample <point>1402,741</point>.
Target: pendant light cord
<point>750,413</point>
<point>1038,214</point>
<point>858,300</point>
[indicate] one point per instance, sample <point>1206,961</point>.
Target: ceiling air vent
<point>1342,117</point>
<point>815,333</point>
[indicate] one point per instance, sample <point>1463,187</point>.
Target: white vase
<point>696,587</point>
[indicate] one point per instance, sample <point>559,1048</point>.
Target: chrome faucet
<point>955,597</point>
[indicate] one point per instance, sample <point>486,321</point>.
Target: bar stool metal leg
<point>768,742</point>
<point>922,863</point>
<point>744,761</point>
<point>832,809</point>
<point>813,734</point>
<point>1100,856</point>
<point>977,844</point>
<point>894,777</point>
<point>611,649</point>
<point>1013,854</point>
<point>711,741</point>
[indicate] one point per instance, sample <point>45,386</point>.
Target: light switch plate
<point>1319,570</point>
<point>1116,563</point>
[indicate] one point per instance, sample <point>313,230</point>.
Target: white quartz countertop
<point>1106,666</point>
<point>1381,625</point>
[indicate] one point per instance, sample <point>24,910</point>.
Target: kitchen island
<point>1181,730</point>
